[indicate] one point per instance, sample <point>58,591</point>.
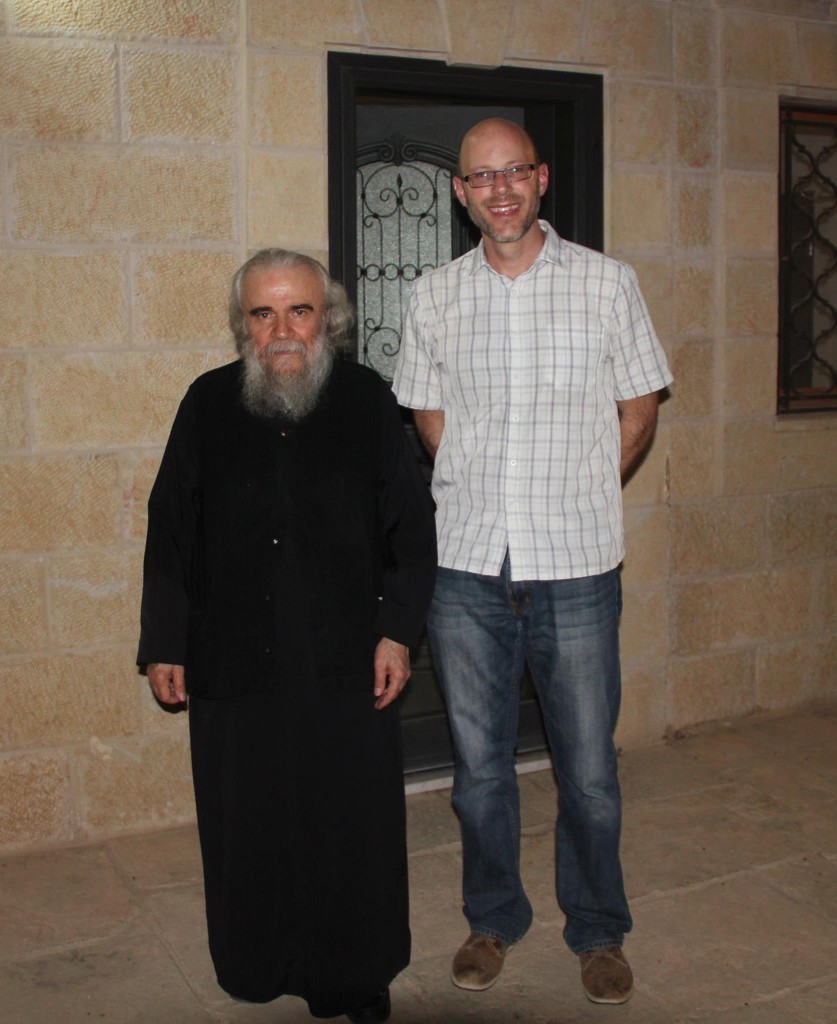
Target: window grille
<point>808,260</point>
<point>403,229</point>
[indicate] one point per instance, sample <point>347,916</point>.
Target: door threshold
<point>442,778</point>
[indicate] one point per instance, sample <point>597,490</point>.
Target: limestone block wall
<point>145,148</point>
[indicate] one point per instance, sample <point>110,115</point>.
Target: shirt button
<point>515,419</point>
<point>267,650</point>
<point>513,462</point>
<point>275,540</point>
<point>267,597</point>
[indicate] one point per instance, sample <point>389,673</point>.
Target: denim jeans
<point>481,628</point>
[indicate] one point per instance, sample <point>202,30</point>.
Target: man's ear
<point>543,178</point>
<point>459,189</point>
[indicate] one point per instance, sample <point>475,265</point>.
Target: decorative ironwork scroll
<point>808,283</point>
<point>403,229</point>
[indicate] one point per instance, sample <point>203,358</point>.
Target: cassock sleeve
<point>405,512</point>
<point>173,511</point>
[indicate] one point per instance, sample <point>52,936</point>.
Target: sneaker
<point>478,962</point>
<point>606,975</point>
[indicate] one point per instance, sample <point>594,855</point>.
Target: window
<point>808,260</point>
<point>404,218</point>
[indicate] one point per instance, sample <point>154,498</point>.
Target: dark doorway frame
<point>563,112</point>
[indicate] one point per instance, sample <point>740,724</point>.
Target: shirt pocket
<point>574,357</point>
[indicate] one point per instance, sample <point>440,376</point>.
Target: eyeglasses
<point>479,179</point>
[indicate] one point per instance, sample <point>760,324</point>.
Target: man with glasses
<point>533,370</point>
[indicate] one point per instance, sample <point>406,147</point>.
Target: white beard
<point>267,392</point>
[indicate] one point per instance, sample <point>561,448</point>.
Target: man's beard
<point>268,392</point>
<point>499,233</point>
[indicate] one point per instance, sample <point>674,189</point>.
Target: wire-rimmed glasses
<point>517,172</point>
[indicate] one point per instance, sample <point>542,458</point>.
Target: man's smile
<point>504,209</point>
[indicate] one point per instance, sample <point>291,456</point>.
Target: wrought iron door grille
<point>403,229</point>
<point>808,254</point>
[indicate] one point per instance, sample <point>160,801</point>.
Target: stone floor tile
<point>537,869</point>
<point>728,943</point>
<point>53,899</point>
<point>180,917</point>
<point>809,880</point>
<point>804,1005</point>
<point>787,782</point>
<point>728,751</point>
<point>812,820</point>
<point>761,805</point>
<point>730,851</point>
<point>431,820</point>
<point>436,919</point>
<point>538,799</point>
<point>821,828</point>
<point>129,980</point>
<point>763,752</point>
<point>667,844</point>
<point>160,859</point>
<point>795,734</point>
<point>822,758</point>
<point>660,771</point>
<point>285,1010</point>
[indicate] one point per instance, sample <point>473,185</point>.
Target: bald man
<point>533,370</point>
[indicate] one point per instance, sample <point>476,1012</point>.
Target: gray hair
<point>338,313</point>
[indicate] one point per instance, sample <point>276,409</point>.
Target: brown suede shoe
<point>606,975</point>
<point>478,962</point>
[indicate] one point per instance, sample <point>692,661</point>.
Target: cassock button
<point>267,597</point>
<point>275,540</point>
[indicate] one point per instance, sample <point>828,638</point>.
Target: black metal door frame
<point>563,113</point>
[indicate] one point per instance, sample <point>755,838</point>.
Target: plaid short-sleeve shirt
<point>527,372</point>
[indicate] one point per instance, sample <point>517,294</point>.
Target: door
<point>394,132</point>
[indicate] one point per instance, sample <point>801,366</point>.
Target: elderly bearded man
<point>289,564</point>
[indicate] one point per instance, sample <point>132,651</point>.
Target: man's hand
<point>168,682</point>
<point>392,670</point>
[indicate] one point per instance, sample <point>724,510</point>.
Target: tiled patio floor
<point>730,852</point>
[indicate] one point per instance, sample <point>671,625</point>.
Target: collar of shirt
<point>552,251</point>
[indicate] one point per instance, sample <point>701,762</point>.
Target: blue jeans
<point>481,628</point>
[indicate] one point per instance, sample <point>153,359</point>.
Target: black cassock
<point>277,556</point>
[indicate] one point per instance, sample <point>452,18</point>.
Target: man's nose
<point>281,326</point>
<point>500,183</point>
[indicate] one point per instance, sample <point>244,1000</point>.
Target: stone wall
<point>145,147</point>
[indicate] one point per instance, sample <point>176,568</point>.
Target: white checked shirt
<point>527,372</point>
